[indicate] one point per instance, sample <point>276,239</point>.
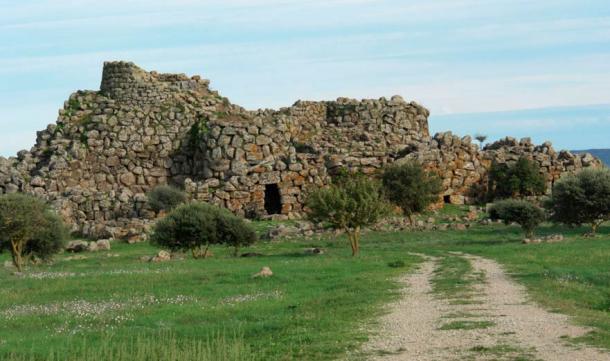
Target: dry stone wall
<point>463,167</point>
<point>108,148</point>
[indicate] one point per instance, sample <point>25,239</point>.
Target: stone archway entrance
<point>273,200</point>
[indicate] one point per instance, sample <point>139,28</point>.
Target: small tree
<point>410,187</point>
<point>524,213</point>
<point>355,203</point>
<point>481,138</point>
<point>521,179</point>
<point>583,198</point>
<point>28,227</point>
<point>165,198</point>
<point>195,226</point>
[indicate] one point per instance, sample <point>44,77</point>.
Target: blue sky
<point>501,67</point>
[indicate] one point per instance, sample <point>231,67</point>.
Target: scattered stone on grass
<point>162,256</point>
<point>77,246</point>
<point>103,245</point>
<point>555,238</point>
<point>264,272</point>
<point>315,251</point>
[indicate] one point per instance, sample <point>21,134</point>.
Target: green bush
<point>410,187</point>
<point>354,203</point>
<point>27,226</point>
<point>521,179</point>
<point>583,198</point>
<point>49,240</point>
<point>165,198</point>
<point>195,226</point>
<point>234,231</point>
<point>524,213</point>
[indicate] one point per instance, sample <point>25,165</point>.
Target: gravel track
<point>512,327</point>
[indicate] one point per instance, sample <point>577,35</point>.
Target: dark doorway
<point>273,200</point>
<point>447,199</point>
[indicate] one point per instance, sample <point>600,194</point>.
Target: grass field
<point>111,306</point>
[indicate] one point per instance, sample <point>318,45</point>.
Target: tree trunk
<point>594,226</point>
<point>352,244</point>
<point>354,240</point>
<point>357,240</point>
<point>16,249</point>
<point>199,252</point>
<point>236,251</point>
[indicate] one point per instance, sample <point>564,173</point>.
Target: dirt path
<point>497,322</point>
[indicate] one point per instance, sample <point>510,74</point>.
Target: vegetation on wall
<point>518,180</point>
<point>165,198</point>
<point>198,133</point>
<point>411,187</point>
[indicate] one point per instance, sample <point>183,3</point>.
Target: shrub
<point>195,226</point>
<point>49,240</point>
<point>355,203</point>
<point>410,187</point>
<point>234,231</point>
<point>27,226</point>
<point>165,198</point>
<point>524,213</point>
<point>583,198</point>
<point>521,179</point>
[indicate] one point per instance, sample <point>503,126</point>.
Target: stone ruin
<point>110,147</point>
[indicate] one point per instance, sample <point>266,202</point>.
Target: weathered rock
<point>162,256</point>
<point>264,273</point>
<point>103,245</point>
<point>77,246</point>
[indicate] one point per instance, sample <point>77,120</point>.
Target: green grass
<point>313,308</point>
<point>503,352</point>
<point>146,348</point>
<point>466,325</point>
<point>454,279</point>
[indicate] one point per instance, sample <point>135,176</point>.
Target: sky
<point>496,67</point>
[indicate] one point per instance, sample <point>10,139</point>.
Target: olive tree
<point>583,198</point>
<point>411,187</point>
<point>28,227</point>
<point>195,226</point>
<point>354,203</point>
<point>524,213</point>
